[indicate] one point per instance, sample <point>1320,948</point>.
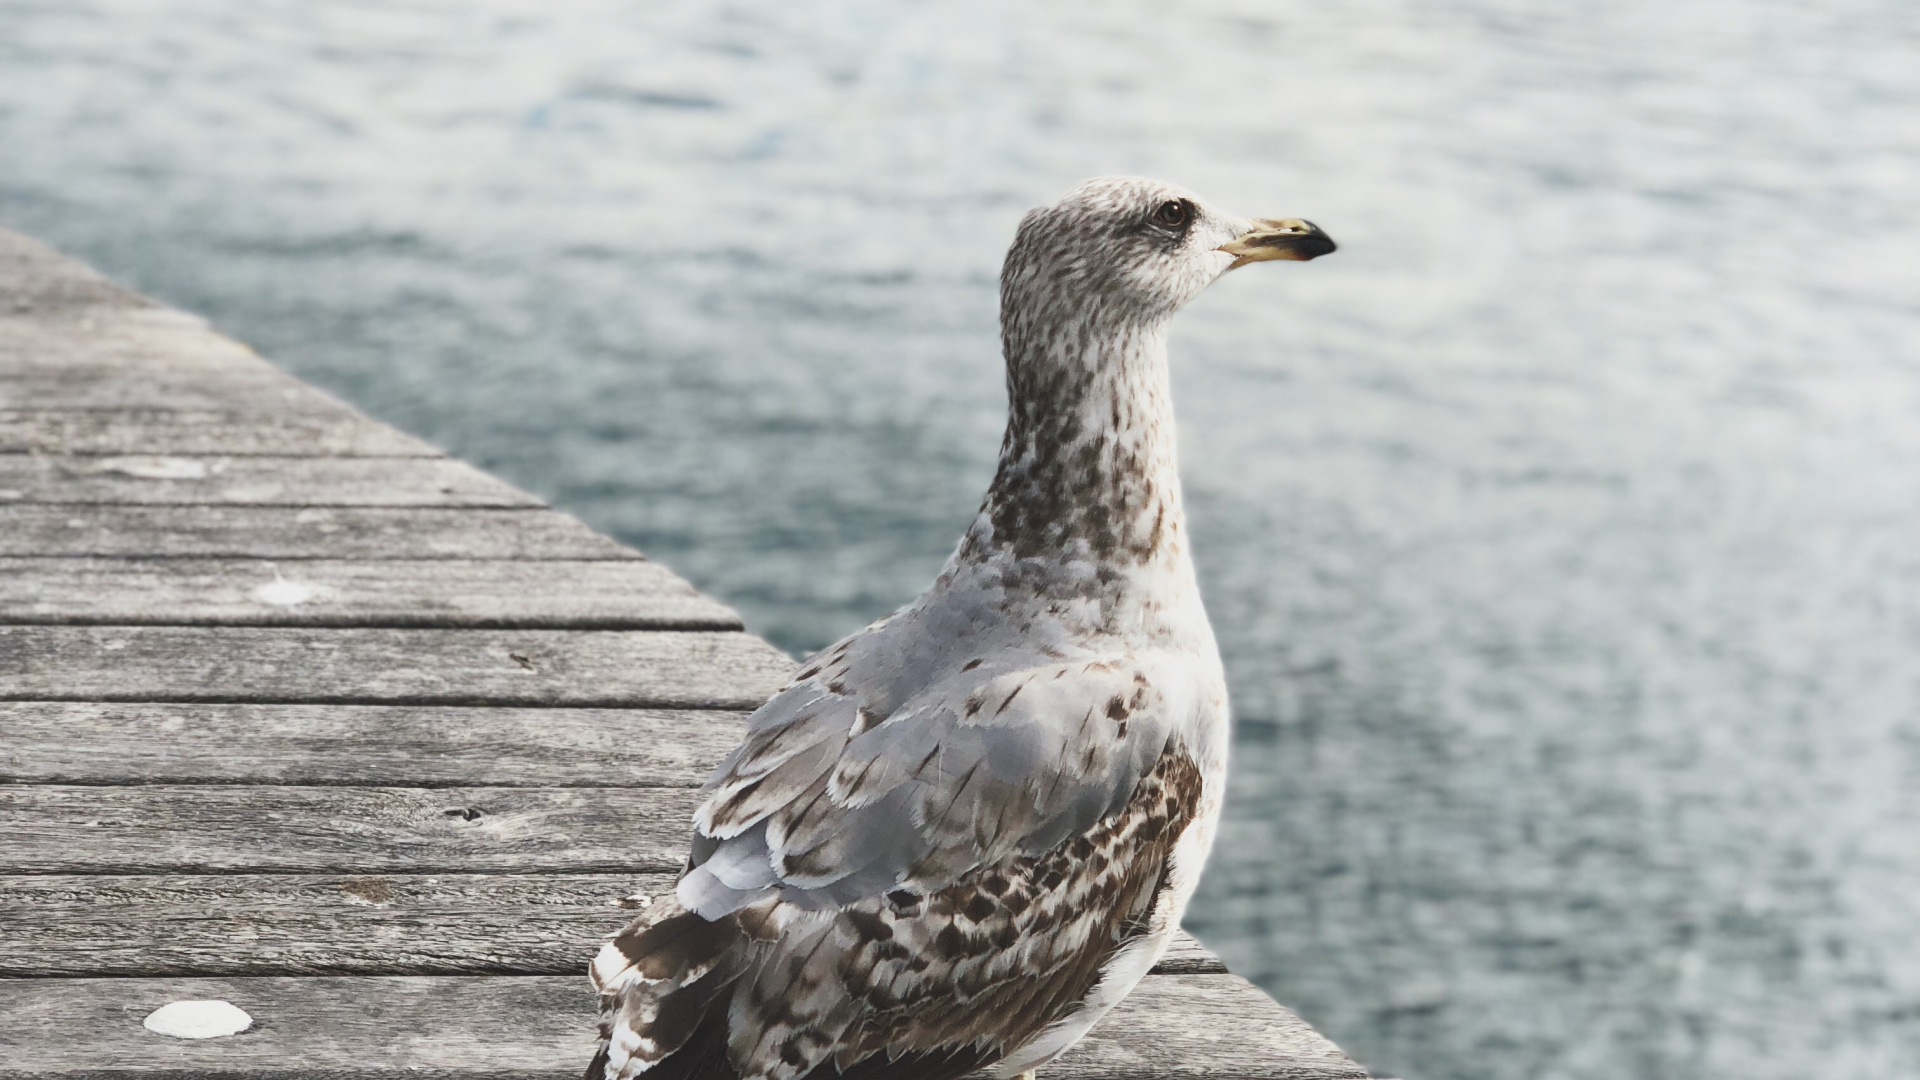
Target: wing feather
<point>837,786</point>
<point>912,883</point>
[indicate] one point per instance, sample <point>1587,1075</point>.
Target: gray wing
<point>923,854</point>
<point>908,986</point>
<point>876,770</point>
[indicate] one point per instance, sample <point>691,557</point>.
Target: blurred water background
<point>1562,533</point>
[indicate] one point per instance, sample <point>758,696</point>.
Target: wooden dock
<point>298,713</point>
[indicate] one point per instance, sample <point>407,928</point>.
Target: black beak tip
<point>1317,243</point>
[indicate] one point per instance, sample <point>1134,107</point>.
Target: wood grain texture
<point>232,828</point>
<point>1186,956</point>
<point>330,924</point>
<point>171,432</point>
<point>119,340</point>
<point>1217,1026</point>
<point>304,924</point>
<point>256,481</point>
<point>607,595</point>
<point>381,745</point>
<point>279,532</point>
<point>538,1027</point>
<point>608,668</point>
<point>35,387</point>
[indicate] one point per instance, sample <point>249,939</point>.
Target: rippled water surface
<point>1562,532</point>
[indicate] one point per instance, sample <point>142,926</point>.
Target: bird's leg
<point>1028,1075</point>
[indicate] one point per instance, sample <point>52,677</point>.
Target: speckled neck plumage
<point>1087,466</point>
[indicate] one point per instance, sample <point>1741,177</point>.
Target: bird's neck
<point>1088,466</point>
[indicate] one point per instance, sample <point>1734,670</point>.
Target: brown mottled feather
<point>905,986</point>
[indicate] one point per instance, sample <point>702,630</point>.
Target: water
<point>1559,532</point>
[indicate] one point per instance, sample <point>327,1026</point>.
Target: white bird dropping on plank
<point>198,1019</point>
<point>960,836</point>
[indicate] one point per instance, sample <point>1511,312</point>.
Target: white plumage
<point>962,834</point>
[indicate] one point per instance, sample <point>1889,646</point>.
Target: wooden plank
<point>170,432</point>
<point>120,340</point>
<point>276,532</point>
<point>1216,1026</point>
<point>607,595</point>
<point>35,277</point>
<point>254,481</point>
<point>238,828</point>
<point>341,1028</point>
<point>1186,956</point>
<point>607,668</point>
<point>305,924</point>
<point>32,387</point>
<point>359,1028</point>
<point>141,358</point>
<point>382,745</point>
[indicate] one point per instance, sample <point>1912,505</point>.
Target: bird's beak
<point>1278,238</point>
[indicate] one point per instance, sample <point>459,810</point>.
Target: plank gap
<point>691,784</point>
<point>383,533</point>
<point>527,503</point>
<point>27,451</point>
<point>381,622</point>
<point>492,701</point>
<point>629,555</point>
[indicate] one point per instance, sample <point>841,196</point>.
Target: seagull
<point>961,835</point>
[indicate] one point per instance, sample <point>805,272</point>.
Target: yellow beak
<point>1279,238</point>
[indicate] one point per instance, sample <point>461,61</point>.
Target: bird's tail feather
<point>663,999</point>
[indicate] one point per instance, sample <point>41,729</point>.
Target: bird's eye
<point>1174,213</point>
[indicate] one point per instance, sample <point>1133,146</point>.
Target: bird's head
<point>1138,250</point>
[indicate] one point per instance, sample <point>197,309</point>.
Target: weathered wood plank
<point>236,828</point>
<point>279,532</point>
<point>628,594</point>
<point>382,745</point>
<point>26,387</point>
<point>1186,956</point>
<point>304,924</point>
<point>117,341</point>
<point>359,1028</point>
<point>140,357</point>
<point>341,1028</point>
<point>158,431</point>
<point>35,277</point>
<point>257,481</point>
<point>1216,1026</point>
<point>608,668</point>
